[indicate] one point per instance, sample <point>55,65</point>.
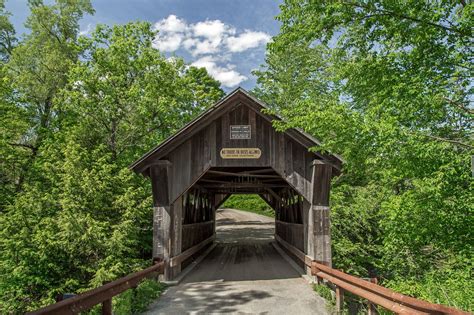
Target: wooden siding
<point>292,233</point>
<point>193,157</point>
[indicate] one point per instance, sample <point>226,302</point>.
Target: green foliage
<point>388,85</point>
<point>136,301</point>
<point>75,112</point>
<point>7,33</point>
<point>251,203</point>
<point>326,293</point>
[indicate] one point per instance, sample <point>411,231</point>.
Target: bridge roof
<point>215,111</point>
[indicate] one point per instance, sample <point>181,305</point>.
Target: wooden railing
<point>195,233</point>
<point>190,251</point>
<point>375,294</point>
<point>292,233</point>
<point>102,294</point>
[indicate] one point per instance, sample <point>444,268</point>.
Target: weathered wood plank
<point>320,211</point>
<point>190,251</point>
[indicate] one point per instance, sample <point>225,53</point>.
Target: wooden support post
<point>308,235</point>
<point>217,200</point>
<point>371,307</point>
<point>213,212</point>
<point>176,234</point>
<point>339,300</point>
<point>107,307</point>
<point>167,218</point>
<point>318,225</point>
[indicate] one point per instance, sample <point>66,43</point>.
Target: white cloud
<point>171,33</point>
<point>205,37</point>
<point>226,75</point>
<point>212,41</point>
<point>214,29</point>
<point>247,40</point>
<point>171,24</point>
<point>206,47</point>
<point>188,43</point>
<point>168,43</point>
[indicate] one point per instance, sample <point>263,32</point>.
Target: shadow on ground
<point>243,274</point>
<point>216,297</point>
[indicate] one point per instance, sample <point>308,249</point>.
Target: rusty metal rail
<point>375,294</point>
<point>102,294</point>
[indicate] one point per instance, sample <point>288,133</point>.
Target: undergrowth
<point>250,203</point>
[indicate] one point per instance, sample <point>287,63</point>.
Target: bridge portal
<point>233,148</point>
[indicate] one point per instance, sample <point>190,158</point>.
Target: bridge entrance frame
<point>233,148</point>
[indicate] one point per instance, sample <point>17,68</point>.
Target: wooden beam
<point>319,236</point>
<point>273,180</point>
<point>264,198</point>
<point>274,194</point>
<point>213,181</point>
<point>240,174</point>
<point>295,251</point>
<point>239,192</point>
<point>261,171</point>
<point>167,218</point>
<point>242,185</point>
<point>219,201</point>
<point>190,251</point>
<point>159,174</point>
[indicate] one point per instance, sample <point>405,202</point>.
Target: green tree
<point>7,33</point>
<point>389,86</point>
<point>36,70</point>
<point>85,218</point>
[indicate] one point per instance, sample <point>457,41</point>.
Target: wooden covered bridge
<point>233,148</point>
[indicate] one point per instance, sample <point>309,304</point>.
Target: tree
<point>389,86</point>
<point>7,33</point>
<point>36,70</point>
<point>87,218</point>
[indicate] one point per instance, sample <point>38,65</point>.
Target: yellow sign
<point>241,153</point>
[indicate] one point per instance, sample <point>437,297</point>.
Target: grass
<point>250,203</point>
<point>326,293</point>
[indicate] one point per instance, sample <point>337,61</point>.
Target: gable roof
<point>212,112</point>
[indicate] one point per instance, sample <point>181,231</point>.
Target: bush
<point>250,203</point>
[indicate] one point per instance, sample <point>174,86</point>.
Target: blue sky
<point>226,37</point>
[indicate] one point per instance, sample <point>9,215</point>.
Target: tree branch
<point>407,17</point>
<point>441,139</point>
<point>459,105</point>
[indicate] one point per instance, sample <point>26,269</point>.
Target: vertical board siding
<point>194,234</point>
<point>287,157</point>
<point>291,232</point>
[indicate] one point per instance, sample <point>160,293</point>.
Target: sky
<point>228,38</point>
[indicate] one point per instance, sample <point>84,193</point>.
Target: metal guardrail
<point>102,294</point>
<point>374,293</point>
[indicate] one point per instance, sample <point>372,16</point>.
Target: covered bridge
<point>232,148</point>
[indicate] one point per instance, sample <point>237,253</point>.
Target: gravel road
<point>244,274</point>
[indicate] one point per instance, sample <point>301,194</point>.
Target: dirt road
<point>244,274</point>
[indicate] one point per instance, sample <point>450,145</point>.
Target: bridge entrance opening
<point>233,148</point>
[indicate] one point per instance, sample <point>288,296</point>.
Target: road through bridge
<point>243,274</point>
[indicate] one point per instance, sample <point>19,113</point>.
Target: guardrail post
<point>371,308</point>
<point>339,299</point>
<point>107,307</point>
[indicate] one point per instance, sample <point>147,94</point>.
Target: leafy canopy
<point>388,85</point>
